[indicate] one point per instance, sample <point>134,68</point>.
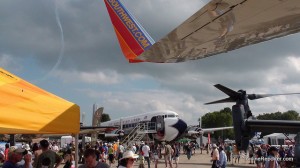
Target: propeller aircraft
<point>245,124</point>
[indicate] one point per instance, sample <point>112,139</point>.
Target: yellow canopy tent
<point>28,109</point>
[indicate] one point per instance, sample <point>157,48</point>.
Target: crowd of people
<point>106,154</point>
<point>47,154</point>
<point>264,156</point>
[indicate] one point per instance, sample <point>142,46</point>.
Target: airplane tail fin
<point>133,38</point>
<point>97,115</point>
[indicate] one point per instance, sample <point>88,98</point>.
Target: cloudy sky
<point>69,48</point>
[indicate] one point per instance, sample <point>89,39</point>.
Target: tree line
<point>223,118</point>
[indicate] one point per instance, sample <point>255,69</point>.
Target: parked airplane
<point>218,27</point>
<point>168,125</point>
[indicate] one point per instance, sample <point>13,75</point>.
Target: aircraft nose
<point>181,126</point>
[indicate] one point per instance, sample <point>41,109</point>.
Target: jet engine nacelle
<point>120,132</point>
<point>117,133</point>
<point>242,134</point>
<point>194,132</point>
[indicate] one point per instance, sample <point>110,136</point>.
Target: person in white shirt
<point>54,147</point>
<point>146,153</point>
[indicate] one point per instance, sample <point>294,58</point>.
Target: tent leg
<point>76,150</point>
<point>12,139</point>
<point>297,149</point>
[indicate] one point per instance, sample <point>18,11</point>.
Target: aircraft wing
<point>225,25</point>
<point>209,130</point>
<point>97,129</point>
<point>271,126</point>
<point>194,132</point>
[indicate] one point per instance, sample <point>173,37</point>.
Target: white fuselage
<point>169,126</point>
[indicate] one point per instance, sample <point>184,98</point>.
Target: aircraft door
<point>160,126</point>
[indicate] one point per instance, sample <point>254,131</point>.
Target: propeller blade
<point>229,92</point>
<point>222,101</point>
<point>259,96</point>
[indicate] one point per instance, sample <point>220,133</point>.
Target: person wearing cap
<point>146,153</point>
<point>90,160</point>
<point>271,160</point>
<point>27,151</point>
<point>215,156</point>
<point>15,155</point>
<point>128,159</point>
<point>48,153</point>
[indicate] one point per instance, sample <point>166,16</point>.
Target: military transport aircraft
<point>245,124</point>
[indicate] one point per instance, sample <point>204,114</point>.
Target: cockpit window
<point>171,116</point>
<point>176,116</point>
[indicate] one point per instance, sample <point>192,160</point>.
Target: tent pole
<point>12,139</point>
<point>76,150</point>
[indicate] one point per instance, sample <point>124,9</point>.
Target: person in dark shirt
<point>90,160</point>
<point>55,159</point>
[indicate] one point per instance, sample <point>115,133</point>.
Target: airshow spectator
<point>215,156</point>
<point>128,159</point>
<point>48,153</point>
<point>14,156</point>
<point>90,160</point>
<point>146,153</point>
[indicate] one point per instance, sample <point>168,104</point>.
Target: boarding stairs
<point>138,132</point>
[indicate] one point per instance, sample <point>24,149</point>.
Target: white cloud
<point>294,62</point>
<point>121,104</point>
<point>99,77</point>
<point>5,60</point>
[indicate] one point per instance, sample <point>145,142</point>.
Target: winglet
<point>133,38</point>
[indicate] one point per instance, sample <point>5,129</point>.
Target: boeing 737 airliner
<point>168,125</point>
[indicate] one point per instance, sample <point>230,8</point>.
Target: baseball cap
<point>15,149</point>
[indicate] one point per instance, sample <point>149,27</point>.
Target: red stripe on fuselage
<point>124,32</point>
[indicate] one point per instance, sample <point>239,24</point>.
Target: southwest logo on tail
<point>218,27</point>
<point>132,37</point>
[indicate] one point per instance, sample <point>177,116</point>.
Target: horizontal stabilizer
<point>222,26</point>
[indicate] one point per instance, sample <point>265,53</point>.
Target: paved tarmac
<point>197,160</point>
